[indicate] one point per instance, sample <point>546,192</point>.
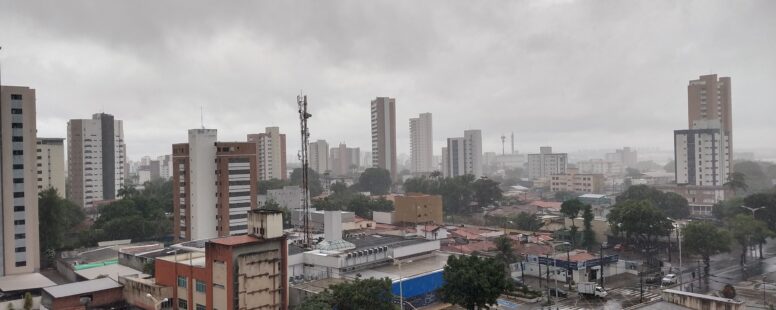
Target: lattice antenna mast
<point>301,101</point>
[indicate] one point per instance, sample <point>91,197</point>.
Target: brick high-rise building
<point>421,143</point>
<point>214,185</point>
<point>709,98</point>
<point>95,159</point>
<point>19,242</point>
<point>271,152</point>
<point>51,164</point>
<point>384,135</point>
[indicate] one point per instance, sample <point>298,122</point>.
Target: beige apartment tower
<point>51,164</point>
<point>20,244</point>
<point>319,156</point>
<point>421,143</point>
<point>709,99</point>
<point>384,134</point>
<point>271,152</point>
<point>96,155</point>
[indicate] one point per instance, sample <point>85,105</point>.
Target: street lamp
<point>751,209</point>
<point>157,302</point>
<point>401,289</point>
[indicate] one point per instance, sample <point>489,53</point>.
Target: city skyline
<point>143,74</point>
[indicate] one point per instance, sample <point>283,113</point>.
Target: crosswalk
<point>635,293</point>
<point>617,293</point>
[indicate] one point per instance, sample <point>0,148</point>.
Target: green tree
<point>639,220</point>
<point>505,252</point>
<point>743,227</point>
<point>754,174</point>
<point>138,217</point>
<point>360,294</point>
<point>766,201</point>
<point>27,301</point>
<point>737,182</point>
<point>633,172</point>
<point>672,204</point>
<point>527,221</point>
<point>127,191</point>
<point>571,208</point>
<point>339,188</point>
<point>266,185</point>
<point>313,181</point>
<point>486,192</point>
<point>59,219</point>
<point>728,208</point>
<point>588,236</point>
<point>377,181</point>
<point>705,239</point>
<point>473,282</point>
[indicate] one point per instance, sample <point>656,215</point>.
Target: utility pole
<point>641,283</point>
<point>548,281</point>
<point>602,265</point>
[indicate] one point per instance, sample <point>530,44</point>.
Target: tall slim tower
<point>709,98</point>
<point>319,156</point>
<point>463,155</point>
<point>272,153</point>
<point>19,226</point>
<point>384,134</point>
<point>421,143</point>
<point>96,153</point>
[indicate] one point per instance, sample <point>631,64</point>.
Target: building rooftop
<point>79,288</point>
<point>113,271</point>
<point>318,286</point>
<point>409,268</point>
<point>235,240</point>
<point>23,282</point>
<point>196,259</point>
<point>370,241</point>
<point>295,249</point>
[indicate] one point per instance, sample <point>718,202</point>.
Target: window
<point>18,180</point>
<point>200,287</point>
<point>201,307</point>
<point>18,209</point>
<point>18,152</point>
<point>16,111</point>
<point>17,125</point>
<point>19,236</point>
<point>18,139</point>
<point>21,249</point>
<point>21,264</point>
<point>18,194</point>
<point>16,97</point>
<point>18,166</point>
<point>181,281</point>
<point>18,222</point>
<point>182,304</point>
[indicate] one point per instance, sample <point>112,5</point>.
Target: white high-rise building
<point>165,166</point>
<point>272,153</point>
<point>545,163</point>
<point>421,144</point>
<point>384,135</point>
<point>473,140</point>
<point>463,155</point>
<point>701,154</point>
<point>19,242</point>
<point>319,156</point>
<point>95,158</point>
<point>51,164</point>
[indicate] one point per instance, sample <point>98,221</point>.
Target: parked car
<point>670,279</point>
<point>653,278</point>
<point>618,247</point>
<point>557,292</point>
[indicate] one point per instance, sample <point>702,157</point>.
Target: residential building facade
<point>344,160</point>
<point>573,181</point>
<point>214,185</point>
<point>546,163</point>
<point>418,208</point>
<point>19,193</point>
<point>271,151</point>
<point>709,99</point>
<point>319,156</point>
<point>51,164</point>
<point>95,159</point>
<point>463,155</point>
<point>701,154</point>
<point>421,143</point>
<point>384,135</point>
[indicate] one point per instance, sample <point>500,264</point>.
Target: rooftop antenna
<point>513,142</point>
<point>301,102</point>
<point>202,116</point>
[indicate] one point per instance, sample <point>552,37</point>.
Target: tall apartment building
<point>546,163</point>
<point>344,160</point>
<point>575,182</point>
<point>463,155</point>
<point>384,135</point>
<point>444,165</point>
<point>701,154</point>
<point>319,156</point>
<point>709,98</point>
<point>165,167</point>
<point>271,152</point>
<point>421,144</point>
<point>214,185</point>
<point>19,243</point>
<point>95,159</point>
<point>51,164</point>
<point>626,156</point>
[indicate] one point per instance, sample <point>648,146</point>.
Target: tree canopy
<point>640,220</point>
<point>313,181</point>
<point>377,181</point>
<point>486,192</point>
<point>473,282</point>
<point>59,219</point>
<point>457,192</point>
<point>360,294</point>
<point>705,239</point>
<point>672,204</point>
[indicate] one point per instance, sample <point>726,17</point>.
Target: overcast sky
<point>571,74</point>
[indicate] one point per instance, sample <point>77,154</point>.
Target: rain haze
<point>576,75</point>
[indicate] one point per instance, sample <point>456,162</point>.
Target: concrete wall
<point>698,301</point>
<point>383,217</point>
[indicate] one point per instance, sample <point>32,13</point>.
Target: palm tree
<point>127,191</point>
<point>737,181</point>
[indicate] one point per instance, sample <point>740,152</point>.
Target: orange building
<point>418,208</point>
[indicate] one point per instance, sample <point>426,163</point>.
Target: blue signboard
<point>506,304</point>
<point>418,286</point>
<point>576,265</point>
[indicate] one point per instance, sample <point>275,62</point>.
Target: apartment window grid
<point>182,281</point>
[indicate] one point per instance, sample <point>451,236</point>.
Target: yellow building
<point>418,208</point>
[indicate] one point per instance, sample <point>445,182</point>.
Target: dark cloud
<point>573,74</point>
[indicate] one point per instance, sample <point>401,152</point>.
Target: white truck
<point>591,289</point>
